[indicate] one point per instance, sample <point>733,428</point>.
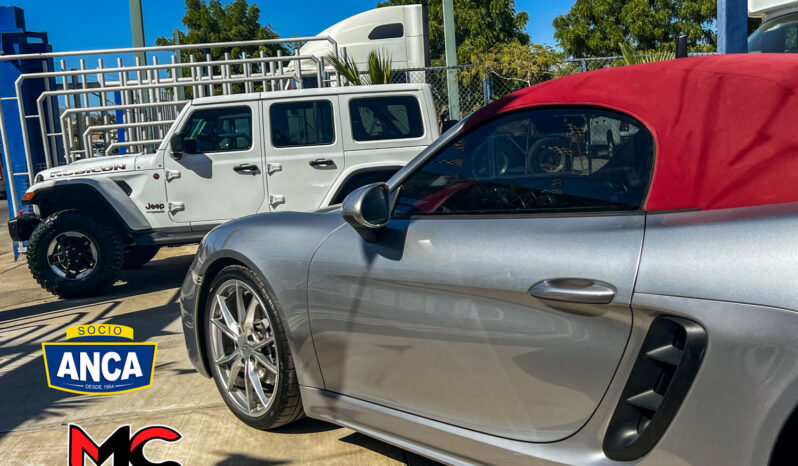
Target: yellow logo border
<point>125,331</point>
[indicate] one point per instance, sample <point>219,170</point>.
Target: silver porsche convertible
<point>525,292</point>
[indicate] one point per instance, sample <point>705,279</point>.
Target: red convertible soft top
<point>726,126</point>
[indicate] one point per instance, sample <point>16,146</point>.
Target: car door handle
<point>322,163</point>
<point>574,290</point>
<point>245,167</point>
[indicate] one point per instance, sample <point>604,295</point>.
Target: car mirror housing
<point>368,209</point>
<point>177,146</point>
<point>181,145</point>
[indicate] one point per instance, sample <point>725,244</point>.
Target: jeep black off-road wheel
<point>137,256</point>
<point>73,255</point>
<point>248,351</point>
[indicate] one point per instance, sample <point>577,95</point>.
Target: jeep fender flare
<point>105,190</point>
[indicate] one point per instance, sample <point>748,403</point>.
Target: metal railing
<point>131,107</point>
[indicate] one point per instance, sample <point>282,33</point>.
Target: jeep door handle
<point>573,290</point>
<point>245,167</point>
<point>322,163</point>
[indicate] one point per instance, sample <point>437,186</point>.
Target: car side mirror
<point>180,145</point>
<point>177,146</point>
<point>368,210</point>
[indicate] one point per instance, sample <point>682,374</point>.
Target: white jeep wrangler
<point>224,157</point>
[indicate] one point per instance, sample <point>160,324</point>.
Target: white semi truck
<point>779,30</point>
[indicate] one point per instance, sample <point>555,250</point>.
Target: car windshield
<point>779,35</point>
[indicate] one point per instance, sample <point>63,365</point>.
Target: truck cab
<point>779,30</point>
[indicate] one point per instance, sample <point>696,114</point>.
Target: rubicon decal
<point>88,171</point>
<point>124,448</point>
<point>99,359</point>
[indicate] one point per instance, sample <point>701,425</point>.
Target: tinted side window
<point>306,123</point>
<point>777,36</point>
<point>220,129</point>
<point>550,160</point>
<point>378,118</point>
<point>387,31</point>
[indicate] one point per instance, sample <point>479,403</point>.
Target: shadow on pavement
<point>305,426</point>
<point>376,446</point>
<point>155,276</point>
<point>24,387</point>
<point>246,460</point>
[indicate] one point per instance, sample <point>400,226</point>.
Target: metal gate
<point>108,110</point>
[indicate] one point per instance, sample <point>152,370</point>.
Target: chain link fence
<point>476,91</point>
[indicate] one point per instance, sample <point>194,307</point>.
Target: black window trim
<point>387,26</point>
<point>295,146</point>
<point>396,191</point>
<point>386,96</point>
<point>200,108</point>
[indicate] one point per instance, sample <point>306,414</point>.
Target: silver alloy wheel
<point>242,347</point>
<point>72,255</point>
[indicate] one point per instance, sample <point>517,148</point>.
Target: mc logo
<point>124,448</point>
<point>99,359</point>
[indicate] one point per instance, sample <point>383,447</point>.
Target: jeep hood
<point>90,167</point>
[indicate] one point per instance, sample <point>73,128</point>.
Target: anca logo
<point>125,449</point>
<point>99,359</point>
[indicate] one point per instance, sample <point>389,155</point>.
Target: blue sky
<point>92,24</point>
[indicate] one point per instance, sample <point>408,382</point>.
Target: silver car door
<point>491,301</point>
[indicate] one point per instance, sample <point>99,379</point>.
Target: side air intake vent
<point>660,378</point>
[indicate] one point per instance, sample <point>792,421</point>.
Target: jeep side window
<point>220,129</point>
<point>305,123</point>
<point>378,118</point>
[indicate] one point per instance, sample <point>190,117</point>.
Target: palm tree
<point>634,57</point>
<point>379,70</point>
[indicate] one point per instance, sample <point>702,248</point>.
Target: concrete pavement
<point>34,418</point>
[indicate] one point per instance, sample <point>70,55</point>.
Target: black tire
<point>548,155</point>
<point>138,256</point>
<point>106,240</point>
<point>286,406</point>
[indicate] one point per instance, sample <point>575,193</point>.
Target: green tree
<point>522,64</point>
<point>479,25</point>
<point>510,66</point>
<point>211,22</point>
<point>635,57</point>
<point>594,28</point>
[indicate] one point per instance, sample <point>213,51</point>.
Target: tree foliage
<point>379,71</point>
<point>594,28</point>
<point>480,25</point>
<point>211,22</point>
<point>635,57</point>
<point>524,64</point>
